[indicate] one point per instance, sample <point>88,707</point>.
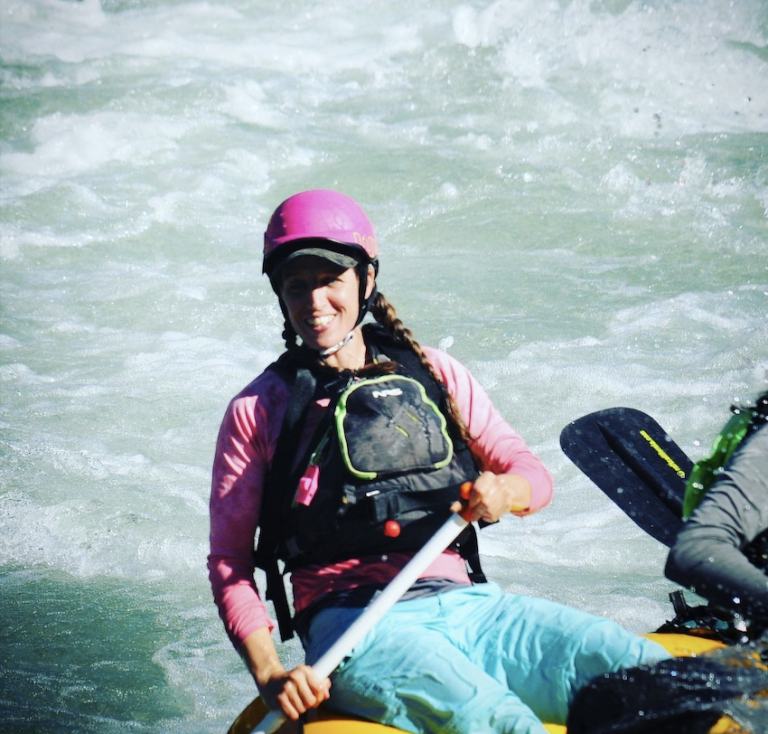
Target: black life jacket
<point>385,456</point>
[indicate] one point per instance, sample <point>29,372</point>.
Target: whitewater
<point>570,197</point>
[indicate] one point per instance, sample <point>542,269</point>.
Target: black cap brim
<point>337,258</point>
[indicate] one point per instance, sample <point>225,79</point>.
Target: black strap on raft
<point>710,621</point>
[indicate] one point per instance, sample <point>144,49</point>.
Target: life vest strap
<point>265,555</point>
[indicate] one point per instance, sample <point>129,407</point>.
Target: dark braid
<point>384,313</point>
<point>289,335</point>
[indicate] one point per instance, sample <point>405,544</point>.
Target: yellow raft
<point>327,722</point>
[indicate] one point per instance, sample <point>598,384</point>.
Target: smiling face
<point>322,300</point>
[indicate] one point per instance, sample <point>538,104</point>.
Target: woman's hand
<point>294,691</point>
<point>494,495</point>
<point>291,691</point>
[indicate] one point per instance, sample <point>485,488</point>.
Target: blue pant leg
<point>544,651</point>
<point>409,674</point>
<point>475,660</point>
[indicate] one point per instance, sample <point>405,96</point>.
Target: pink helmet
<point>322,223</point>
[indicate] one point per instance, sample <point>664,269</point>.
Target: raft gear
<point>741,424</point>
<point>709,621</point>
<point>383,467</point>
<point>325,224</point>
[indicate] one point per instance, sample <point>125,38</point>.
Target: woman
<point>345,490</point>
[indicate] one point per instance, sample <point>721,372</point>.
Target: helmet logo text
<point>365,241</point>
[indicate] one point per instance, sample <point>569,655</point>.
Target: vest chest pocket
<point>388,425</point>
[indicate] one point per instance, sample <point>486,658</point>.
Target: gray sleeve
<point>708,555</point>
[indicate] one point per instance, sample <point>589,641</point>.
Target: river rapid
<point>571,197</point>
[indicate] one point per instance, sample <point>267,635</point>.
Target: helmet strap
<point>362,276</point>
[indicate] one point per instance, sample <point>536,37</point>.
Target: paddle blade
<point>631,458</point>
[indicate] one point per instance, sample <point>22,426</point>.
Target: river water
<point>571,197</point>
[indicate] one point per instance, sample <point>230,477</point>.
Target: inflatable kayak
<point>327,722</point>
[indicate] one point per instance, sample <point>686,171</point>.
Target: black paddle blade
<point>631,458</point>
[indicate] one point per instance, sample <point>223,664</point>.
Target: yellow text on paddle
<point>664,455</point>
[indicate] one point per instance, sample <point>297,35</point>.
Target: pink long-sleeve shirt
<point>246,444</point>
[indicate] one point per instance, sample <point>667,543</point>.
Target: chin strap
<point>336,347</point>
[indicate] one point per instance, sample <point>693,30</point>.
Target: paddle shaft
<point>447,533</point>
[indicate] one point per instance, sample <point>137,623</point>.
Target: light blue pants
<point>473,661</point>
